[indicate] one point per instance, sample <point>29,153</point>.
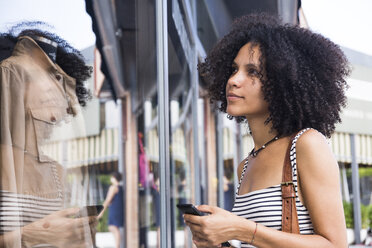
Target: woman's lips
<point>233,97</point>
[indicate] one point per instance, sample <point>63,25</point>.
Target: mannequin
<point>41,94</point>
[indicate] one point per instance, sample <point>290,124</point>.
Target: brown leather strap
<point>289,211</point>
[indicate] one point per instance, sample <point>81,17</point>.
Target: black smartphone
<point>191,209</point>
<point>93,210</point>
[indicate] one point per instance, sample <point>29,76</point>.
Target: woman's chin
<point>234,113</point>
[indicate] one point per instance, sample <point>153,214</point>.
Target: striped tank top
<point>18,210</point>
<point>264,206</point>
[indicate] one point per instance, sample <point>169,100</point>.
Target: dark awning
<point>215,17</point>
<point>107,42</point>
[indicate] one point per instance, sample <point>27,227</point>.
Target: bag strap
<point>289,211</point>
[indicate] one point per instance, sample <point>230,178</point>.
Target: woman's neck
<point>261,132</point>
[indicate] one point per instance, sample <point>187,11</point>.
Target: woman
<point>114,200</point>
<point>288,84</point>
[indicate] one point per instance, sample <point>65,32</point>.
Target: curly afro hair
<point>68,58</point>
<point>304,73</point>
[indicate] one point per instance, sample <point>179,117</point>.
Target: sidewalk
<point>106,239</point>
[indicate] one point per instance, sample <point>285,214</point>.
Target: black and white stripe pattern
<point>17,210</point>
<point>264,206</point>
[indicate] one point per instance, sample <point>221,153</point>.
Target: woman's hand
<point>60,229</point>
<point>99,216</point>
<point>213,229</point>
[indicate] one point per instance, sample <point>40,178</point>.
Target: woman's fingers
<point>84,228</point>
<point>198,240</point>
<point>196,230</point>
<point>194,219</point>
<point>206,209</point>
<point>206,230</point>
<point>90,220</point>
<point>68,212</point>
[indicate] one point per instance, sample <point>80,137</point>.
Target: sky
<point>68,17</point>
<point>346,22</point>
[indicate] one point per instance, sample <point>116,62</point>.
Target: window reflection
<point>42,97</point>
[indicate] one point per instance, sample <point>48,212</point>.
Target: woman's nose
<point>234,80</point>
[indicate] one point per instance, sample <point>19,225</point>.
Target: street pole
<point>163,124</point>
<point>356,192</point>
<point>121,165</point>
<point>220,167</point>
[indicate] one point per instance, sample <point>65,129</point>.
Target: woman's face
<point>243,89</point>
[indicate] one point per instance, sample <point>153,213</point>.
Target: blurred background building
<point>151,120</point>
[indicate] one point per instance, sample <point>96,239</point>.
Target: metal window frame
<point>163,127</point>
<point>163,105</point>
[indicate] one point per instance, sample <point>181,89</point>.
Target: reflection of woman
<point>41,86</point>
<point>115,202</point>
<point>284,81</point>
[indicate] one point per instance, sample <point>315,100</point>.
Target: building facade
<point>173,146</point>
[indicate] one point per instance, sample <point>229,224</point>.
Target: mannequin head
<point>67,57</point>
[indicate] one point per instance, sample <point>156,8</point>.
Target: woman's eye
<point>234,70</point>
<point>253,72</point>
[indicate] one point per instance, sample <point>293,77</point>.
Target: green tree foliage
<point>366,212</point>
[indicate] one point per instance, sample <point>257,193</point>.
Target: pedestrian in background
<point>115,203</point>
<point>288,84</point>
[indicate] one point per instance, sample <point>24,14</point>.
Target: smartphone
<point>191,209</point>
<point>93,210</point>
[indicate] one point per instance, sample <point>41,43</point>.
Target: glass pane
<point>148,176</point>
<point>231,150</point>
<point>202,150</point>
<point>52,144</point>
<point>145,107</point>
<point>181,138</point>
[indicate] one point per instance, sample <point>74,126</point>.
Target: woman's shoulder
<point>114,188</point>
<point>310,139</point>
<point>314,153</point>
